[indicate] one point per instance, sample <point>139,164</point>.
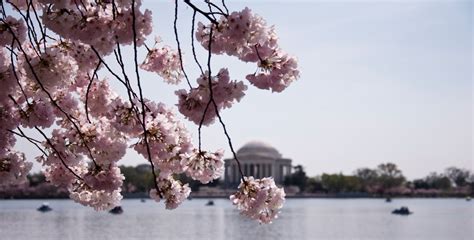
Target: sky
<point>381,81</point>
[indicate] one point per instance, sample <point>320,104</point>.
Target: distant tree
<point>336,183</point>
<point>333,182</point>
<point>137,179</point>
<point>438,181</point>
<point>314,184</point>
<point>297,178</point>
<point>458,176</point>
<point>352,184</point>
<point>471,182</point>
<point>36,179</point>
<point>420,184</point>
<point>390,176</point>
<point>367,177</point>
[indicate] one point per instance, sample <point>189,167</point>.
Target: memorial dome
<point>257,148</point>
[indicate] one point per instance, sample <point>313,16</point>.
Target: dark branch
<point>175,27</point>
<point>135,58</point>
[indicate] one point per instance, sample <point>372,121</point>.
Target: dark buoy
<point>388,199</point>
<point>116,210</point>
<point>210,203</point>
<point>402,211</point>
<point>44,207</point>
<point>142,200</point>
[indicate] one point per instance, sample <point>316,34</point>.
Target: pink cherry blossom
<point>99,97</point>
<point>13,167</point>
<point>246,36</point>
<point>194,103</point>
<point>95,24</point>
<point>9,25</point>
<point>259,199</point>
<point>52,69</point>
<point>61,63</point>
<point>165,62</point>
<point>205,166</point>
<point>8,81</point>
<point>173,192</point>
<point>38,113</point>
<point>167,138</point>
<point>98,199</point>
<point>106,178</point>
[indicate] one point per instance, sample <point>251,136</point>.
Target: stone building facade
<point>257,159</point>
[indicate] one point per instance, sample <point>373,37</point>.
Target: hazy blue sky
<point>381,81</point>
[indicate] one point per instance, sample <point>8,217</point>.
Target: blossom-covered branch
<point>58,60</point>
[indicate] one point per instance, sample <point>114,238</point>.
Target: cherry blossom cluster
<point>38,113</point>
<point>9,25</point>
<point>259,199</point>
<point>85,58</point>
<point>66,162</point>
<point>205,166</point>
<point>13,167</point>
<point>99,97</point>
<point>165,62</point>
<point>247,37</point>
<point>104,179</point>
<point>7,78</point>
<point>51,69</point>
<point>167,139</point>
<point>51,64</point>
<point>98,199</point>
<point>197,101</point>
<point>8,120</point>
<point>172,191</point>
<point>123,118</point>
<point>97,23</point>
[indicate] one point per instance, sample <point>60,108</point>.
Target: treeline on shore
<point>384,180</point>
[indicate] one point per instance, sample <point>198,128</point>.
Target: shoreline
<point>287,197</point>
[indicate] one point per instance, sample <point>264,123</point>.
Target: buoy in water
<point>210,203</point>
<point>44,207</point>
<point>116,210</point>
<point>402,211</point>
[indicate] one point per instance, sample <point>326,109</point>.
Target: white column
<point>259,174</point>
<point>234,173</point>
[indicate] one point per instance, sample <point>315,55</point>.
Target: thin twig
<point>225,7</point>
<point>193,21</point>
<point>217,7</point>
<point>94,75</point>
<point>31,140</point>
<point>229,140</point>
<point>201,123</point>
<point>52,100</point>
<point>175,27</point>
<point>16,75</point>
<point>59,154</point>
<point>47,139</point>
<point>141,99</point>
<point>200,11</point>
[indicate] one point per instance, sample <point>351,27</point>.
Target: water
<point>301,219</point>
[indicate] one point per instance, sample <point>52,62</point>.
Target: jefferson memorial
<point>257,159</point>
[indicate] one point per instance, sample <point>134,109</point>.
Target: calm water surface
<point>300,219</point>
